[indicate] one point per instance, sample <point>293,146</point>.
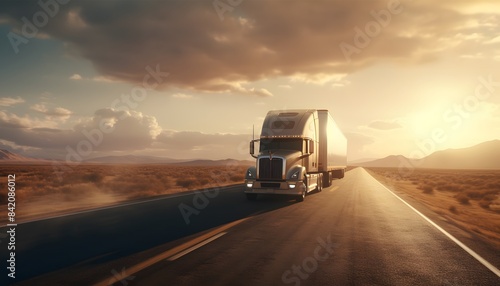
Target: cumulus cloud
<point>109,130</point>
<point>57,112</point>
<point>106,130</point>
<point>384,125</point>
<point>11,120</point>
<point>75,77</point>
<point>9,101</point>
<point>255,41</point>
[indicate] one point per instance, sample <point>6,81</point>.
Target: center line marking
<point>176,252</point>
<point>192,248</point>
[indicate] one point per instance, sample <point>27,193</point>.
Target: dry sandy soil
<point>468,198</point>
<point>41,192</point>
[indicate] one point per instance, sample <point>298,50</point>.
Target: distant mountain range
<point>485,155</point>
<point>9,156</point>
<point>225,162</point>
<point>132,159</point>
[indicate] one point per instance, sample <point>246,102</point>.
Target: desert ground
<point>41,192</point>
<point>470,199</point>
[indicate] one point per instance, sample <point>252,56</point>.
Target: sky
<point>189,79</point>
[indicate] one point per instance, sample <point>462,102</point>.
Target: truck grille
<point>271,170</point>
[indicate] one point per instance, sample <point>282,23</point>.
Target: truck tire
<point>319,187</point>
<point>326,179</point>
<point>300,198</point>
<point>251,197</point>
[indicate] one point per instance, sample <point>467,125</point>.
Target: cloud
<point>182,96</point>
<point>106,130</point>
<point>109,130</point>
<point>255,41</point>
<point>10,120</point>
<point>320,78</point>
<point>75,77</point>
<point>52,112</point>
<point>9,101</point>
<point>384,125</point>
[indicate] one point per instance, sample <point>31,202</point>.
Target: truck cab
<point>287,161</point>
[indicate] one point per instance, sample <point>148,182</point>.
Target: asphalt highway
<point>356,232</point>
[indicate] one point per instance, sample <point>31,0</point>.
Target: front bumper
<point>273,187</point>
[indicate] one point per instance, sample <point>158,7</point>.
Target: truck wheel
<point>326,179</point>
<point>300,198</point>
<point>251,197</point>
<point>319,187</point>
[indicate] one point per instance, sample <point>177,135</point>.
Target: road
<point>354,233</point>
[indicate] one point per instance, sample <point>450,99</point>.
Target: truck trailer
<point>299,151</point>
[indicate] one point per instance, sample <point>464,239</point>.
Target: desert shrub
<point>203,181</point>
<point>474,194</point>
<point>3,198</point>
<point>237,178</point>
<point>484,204</point>
<point>427,189</point>
<point>462,198</point>
<point>451,187</point>
<point>187,182</point>
<point>93,177</point>
<point>494,186</point>
<point>489,197</point>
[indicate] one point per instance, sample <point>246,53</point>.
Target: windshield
<point>294,144</point>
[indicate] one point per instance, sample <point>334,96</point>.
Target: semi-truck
<point>300,151</point>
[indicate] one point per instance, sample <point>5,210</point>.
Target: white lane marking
<point>333,189</point>
<point>202,239</point>
<point>194,247</point>
<point>455,240</point>
<point>222,189</point>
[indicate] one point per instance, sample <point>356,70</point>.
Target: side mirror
<point>252,148</point>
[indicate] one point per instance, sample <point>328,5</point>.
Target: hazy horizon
<point>183,80</point>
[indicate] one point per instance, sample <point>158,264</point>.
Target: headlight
<point>249,184</point>
<point>291,186</point>
<point>295,175</point>
<point>249,174</point>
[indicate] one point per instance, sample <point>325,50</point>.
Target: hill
<point>132,159</point>
<point>485,155</point>
<point>7,156</point>
<point>388,162</point>
<point>226,162</point>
